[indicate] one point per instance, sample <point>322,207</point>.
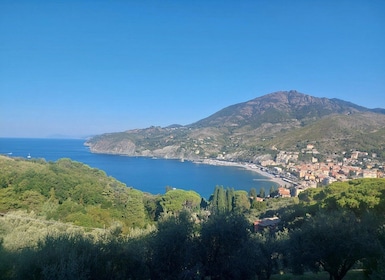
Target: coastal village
<point>294,176</point>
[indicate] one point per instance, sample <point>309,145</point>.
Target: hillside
<point>284,120</point>
<point>69,191</point>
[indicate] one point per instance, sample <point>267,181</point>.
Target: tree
<point>241,201</point>
<point>273,191</point>
<point>135,211</point>
<point>264,253</point>
<point>221,240</point>
<point>359,196</point>
<point>253,193</point>
<point>214,199</point>
<point>172,249</point>
<point>222,206</point>
<point>219,202</point>
<point>230,199</point>
<point>375,266</point>
<point>332,241</point>
<point>175,201</point>
<point>262,193</point>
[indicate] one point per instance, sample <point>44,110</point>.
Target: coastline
<point>248,166</point>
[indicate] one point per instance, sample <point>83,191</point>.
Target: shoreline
<point>249,166</point>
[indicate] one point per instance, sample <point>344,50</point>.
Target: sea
<point>143,173</point>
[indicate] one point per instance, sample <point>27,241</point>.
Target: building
<point>270,223</point>
<point>282,192</point>
<point>369,173</point>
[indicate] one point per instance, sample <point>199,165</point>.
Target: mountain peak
<point>289,97</point>
<point>280,106</point>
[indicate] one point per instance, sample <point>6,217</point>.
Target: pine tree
<point>221,200</point>
<point>253,193</point>
<point>262,193</point>
<point>230,199</point>
<point>214,202</point>
<point>272,191</point>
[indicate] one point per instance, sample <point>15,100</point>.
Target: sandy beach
<point>248,166</point>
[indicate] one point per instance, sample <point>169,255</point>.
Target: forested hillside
<point>338,230</point>
<point>69,191</point>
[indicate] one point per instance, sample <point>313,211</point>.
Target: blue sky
<point>79,68</point>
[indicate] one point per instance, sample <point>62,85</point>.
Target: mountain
<point>278,107</point>
<point>284,120</point>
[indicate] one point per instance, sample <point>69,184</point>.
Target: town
<point>343,167</point>
<point>294,175</point>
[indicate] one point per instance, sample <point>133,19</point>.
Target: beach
<point>248,166</point>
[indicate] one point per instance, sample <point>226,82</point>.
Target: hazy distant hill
<point>285,120</point>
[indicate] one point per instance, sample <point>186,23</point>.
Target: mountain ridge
<point>246,130</point>
<point>285,102</point>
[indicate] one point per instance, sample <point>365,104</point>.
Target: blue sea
<point>146,174</point>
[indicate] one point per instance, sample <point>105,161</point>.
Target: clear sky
<point>79,68</point>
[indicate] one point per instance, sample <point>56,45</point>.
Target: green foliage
<point>259,206</point>
<point>221,202</point>
<point>152,206</point>
<point>334,242</point>
<point>226,201</point>
<point>335,227</point>
<point>241,201</point>
<point>359,196</point>
<point>222,239</point>
<point>375,266</point>
<point>230,199</point>
<point>265,251</point>
<point>70,192</point>
<point>273,192</point>
<point>134,210</point>
<point>77,257</point>
<point>262,193</point>
<point>253,192</point>
<point>175,201</point>
<point>172,249</point>
<point>6,262</point>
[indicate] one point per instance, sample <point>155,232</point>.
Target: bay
<point>145,174</point>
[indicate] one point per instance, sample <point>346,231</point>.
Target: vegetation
<point>65,220</point>
<point>71,192</point>
<point>174,201</point>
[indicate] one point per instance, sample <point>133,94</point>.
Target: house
<point>270,223</point>
<point>369,173</point>
<point>282,192</point>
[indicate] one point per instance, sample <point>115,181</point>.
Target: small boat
<point>29,156</point>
